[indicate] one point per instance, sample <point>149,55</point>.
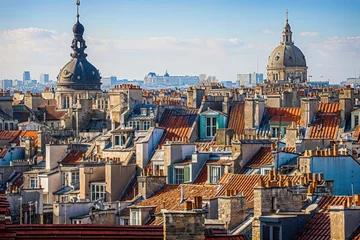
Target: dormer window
<point>210,126</point>
<point>119,140</point>
<point>216,173</point>
<point>143,112</point>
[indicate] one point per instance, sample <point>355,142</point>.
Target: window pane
<point>208,121</point>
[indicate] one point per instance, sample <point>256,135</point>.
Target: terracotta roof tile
<point>73,157</point>
<point>286,114</point>
<point>241,183</point>
<point>202,177</point>
<point>3,152</point>
<point>171,194</point>
<point>356,135</point>
<point>326,122</point>
<point>51,113</point>
<point>319,225</point>
<point>236,118</point>
<point>178,124</point>
<point>262,157</point>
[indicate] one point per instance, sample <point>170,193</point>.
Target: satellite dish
<point>311,208</point>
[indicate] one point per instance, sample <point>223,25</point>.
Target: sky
<point>130,38</point>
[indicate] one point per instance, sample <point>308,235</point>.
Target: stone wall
<point>149,184</point>
<point>184,225</point>
<point>231,210</point>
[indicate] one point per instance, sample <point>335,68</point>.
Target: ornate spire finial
<point>77,9</point>
<point>287,15</point>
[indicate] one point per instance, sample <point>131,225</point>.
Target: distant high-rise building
<point>247,79</point>
<point>109,80</point>
<point>26,77</point>
<point>44,78</point>
<point>156,80</point>
<point>6,84</point>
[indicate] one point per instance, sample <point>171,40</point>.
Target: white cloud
<point>267,31</point>
<point>309,34</point>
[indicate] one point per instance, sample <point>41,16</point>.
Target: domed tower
<point>287,62</point>
<point>78,79</point>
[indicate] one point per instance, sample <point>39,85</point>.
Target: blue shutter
<point>170,174</point>
<point>202,127</point>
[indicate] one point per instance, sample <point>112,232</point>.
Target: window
<point>137,125</point>
<point>131,124</point>
<point>75,178</point>
<point>356,120</point>
<point>274,132</point>
<point>135,218</point>
<point>119,140</point>
<point>97,192</point>
<point>275,232</point>
<point>215,174</point>
<point>179,175</point>
<point>210,126</point>
<point>33,182</point>
<point>146,125</point>
<point>126,221</point>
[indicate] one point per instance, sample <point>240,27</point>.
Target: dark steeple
<point>78,43</point>
<point>79,74</point>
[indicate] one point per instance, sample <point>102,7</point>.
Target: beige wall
<point>117,178</point>
<point>86,178</point>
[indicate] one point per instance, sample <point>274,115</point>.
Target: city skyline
<point>220,38</point>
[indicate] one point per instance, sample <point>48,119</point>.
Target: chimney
<point>147,185</point>
<point>309,107</point>
<point>231,210</point>
<point>343,220</point>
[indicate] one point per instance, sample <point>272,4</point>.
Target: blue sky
<point>222,38</point>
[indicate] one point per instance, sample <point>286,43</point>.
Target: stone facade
<point>184,225</point>
<point>231,210</point>
<point>149,184</point>
<point>267,200</point>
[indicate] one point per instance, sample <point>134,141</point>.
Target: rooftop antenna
<point>77,9</point>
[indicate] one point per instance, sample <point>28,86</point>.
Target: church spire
<point>78,43</point>
<point>287,34</point>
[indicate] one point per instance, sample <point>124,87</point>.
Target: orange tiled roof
<point>236,118</point>
<point>73,157</point>
<point>30,133</point>
<point>9,134</point>
<point>356,134</point>
<point>241,183</point>
<point>245,183</point>
<point>53,114</point>
<point>319,225</point>
<point>171,194</point>
<point>3,152</point>
<point>262,157</point>
<point>326,123</point>
<point>177,123</point>
<point>286,114</point>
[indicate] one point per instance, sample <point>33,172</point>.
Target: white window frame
<point>211,127</point>
<point>32,181</point>
<point>215,174</point>
<point>178,175</point>
<point>76,176</point>
<point>97,191</point>
<point>134,218</point>
<point>146,125</point>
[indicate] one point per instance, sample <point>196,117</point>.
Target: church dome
<point>78,73</point>
<point>286,55</point>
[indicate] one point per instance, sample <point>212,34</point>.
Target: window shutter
<point>202,127</point>
<point>170,174</point>
<point>186,173</point>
